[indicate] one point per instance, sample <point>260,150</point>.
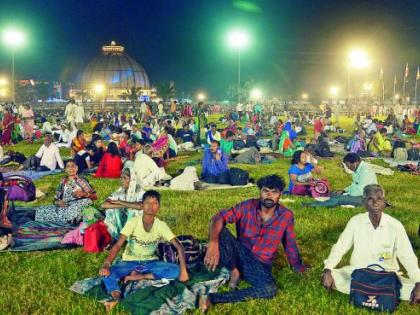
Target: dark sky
<point>296,45</point>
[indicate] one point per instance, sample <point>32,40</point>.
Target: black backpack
<point>413,155</point>
<point>238,177</point>
<point>192,250</point>
<point>238,144</point>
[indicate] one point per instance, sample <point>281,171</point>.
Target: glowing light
<point>201,96</point>
<point>304,96</point>
<point>358,59</point>
<point>256,93</point>
<point>3,81</point>
<point>334,90</point>
<point>3,93</point>
<point>13,37</point>
<point>397,96</point>
<point>238,39</point>
<point>99,88</point>
<point>368,87</point>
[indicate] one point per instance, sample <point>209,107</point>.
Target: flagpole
<point>395,83</point>
<point>415,94</point>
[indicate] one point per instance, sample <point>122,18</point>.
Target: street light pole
<point>13,77</point>
<point>239,75</point>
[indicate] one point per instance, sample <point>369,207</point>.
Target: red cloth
<point>96,237</point>
<point>109,166</point>
<point>318,127</point>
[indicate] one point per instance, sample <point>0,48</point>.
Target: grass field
<point>37,282</point>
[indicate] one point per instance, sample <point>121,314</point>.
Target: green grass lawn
<point>38,282</point>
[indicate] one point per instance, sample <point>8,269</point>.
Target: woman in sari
<point>286,146</point>
<point>8,125</point>
<point>28,122</point>
<point>161,145</point>
<point>73,194</point>
<point>124,203</point>
<point>78,143</point>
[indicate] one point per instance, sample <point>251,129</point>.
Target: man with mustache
<point>262,225</point>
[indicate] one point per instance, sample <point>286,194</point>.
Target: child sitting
<point>139,262</point>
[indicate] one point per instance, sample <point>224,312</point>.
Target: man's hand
<point>183,275</point>
<point>212,256</point>
<point>79,194</point>
<point>218,156</point>
<point>104,271</point>
<point>415,294</point>
<point>327,280</point>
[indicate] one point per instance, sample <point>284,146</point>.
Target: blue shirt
<point>187,136</point>
<point>213,166</point>
<point>294,169</point>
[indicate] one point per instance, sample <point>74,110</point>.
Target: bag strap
<point>376,265</point>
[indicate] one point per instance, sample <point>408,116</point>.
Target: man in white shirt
<point>147,171</point>
<point>47,158</point>
<point>376,238</point>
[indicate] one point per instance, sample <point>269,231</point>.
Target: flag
<point>418,73</point>
<point>381,74</point>
<point>406,71</point>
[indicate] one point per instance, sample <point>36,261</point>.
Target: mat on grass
<point>30,235</point>
<point>206,186</point>
<point>34,175</point>
<point>158,296</point>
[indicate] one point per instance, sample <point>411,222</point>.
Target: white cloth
<point>79,114</point>
<point>70,113</point>
<point>186,146</point>
<point>382,246</point>
<point>50,156</point>
<point>46,127</point>
<point>239,107</point>
<point>147,171</point>
<point>186,180</point>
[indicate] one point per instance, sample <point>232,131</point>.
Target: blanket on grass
<point>30,235</point>
<point>159,296</point>
<point>34,175</point>
<point>206,186</point>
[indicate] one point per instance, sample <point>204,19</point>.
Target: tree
<point>165,90</point>
<point>132,94</point>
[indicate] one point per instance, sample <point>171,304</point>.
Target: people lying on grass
<point>139,261</point>
<point>300,174</point>
<point>379,144</point>
<point>362,176</point>
<point>78,143</point>
<point>187,137</point>
<point>111,163</point>
<point>215,169</point>
<point>376,238</point>
<point>47,158</point>
<point>72,195</point>
<point>250,156</point>
<point>123,204</point>
<point>147,171</point>
<point>262,225</point>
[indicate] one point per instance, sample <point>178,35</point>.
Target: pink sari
<point>8,123</point>
<point>160,146</point>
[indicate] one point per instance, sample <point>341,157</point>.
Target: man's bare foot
<point>235,277</point>
<point>5,223</point>
<point>204,303</point>
<point>109,305</point>
<point>133,276</point>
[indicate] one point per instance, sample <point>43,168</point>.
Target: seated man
<point>187,137</point>
<point>47,158</point>
<point>215,165</point>
<point>376,238</point>
<point>139,261</point>
<point>262,225</point>
<point>147,171</point>
<point>213,134</point>
<point>362,175</point>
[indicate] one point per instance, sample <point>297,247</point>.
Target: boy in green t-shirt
<point>139,262</point>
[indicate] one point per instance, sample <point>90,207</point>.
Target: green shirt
<point>362,177</point>
<point>226,146</point>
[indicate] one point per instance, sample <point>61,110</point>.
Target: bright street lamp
<point>304,96</point>
<point>201,97</point>
<point>333,90</point>
<point>358,59</point>
<point>238,40</point>
<point>368,87</point>
<point>256,94</point>
<point>13,38</point>
<point>99,88</point>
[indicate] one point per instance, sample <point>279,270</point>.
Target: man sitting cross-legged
<point>139,262</point>
<point>262,225</point>
<point>376,238</point>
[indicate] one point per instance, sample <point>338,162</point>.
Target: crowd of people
<point>137,148</point>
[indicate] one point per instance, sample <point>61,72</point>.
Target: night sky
<point>296,45</point>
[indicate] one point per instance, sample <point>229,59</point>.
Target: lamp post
<point>13,38</point>
<point>238,40</point>
<point>334,92</point>
<point>201,97</point>
<point>99,89</point>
